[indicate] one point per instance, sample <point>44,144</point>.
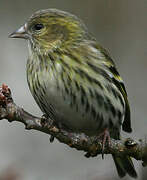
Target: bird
<point>74,80</point>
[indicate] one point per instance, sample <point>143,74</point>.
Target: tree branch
<point>92,146</point>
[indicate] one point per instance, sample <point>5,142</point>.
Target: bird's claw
<point>43,119</point>
<point>105,135</point>
<point>52,138</point>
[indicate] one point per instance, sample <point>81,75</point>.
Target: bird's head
<point>50,29</point>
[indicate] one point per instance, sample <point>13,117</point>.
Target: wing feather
<point>117,80</point>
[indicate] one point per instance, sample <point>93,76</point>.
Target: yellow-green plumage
<point>73,79</point>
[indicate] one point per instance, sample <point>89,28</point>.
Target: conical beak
<point>20,33</point>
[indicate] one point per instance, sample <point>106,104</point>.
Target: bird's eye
<point>38,27</point>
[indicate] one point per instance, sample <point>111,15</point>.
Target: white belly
<point>71,115</point>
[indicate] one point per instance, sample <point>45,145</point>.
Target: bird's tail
<point>124,165</point>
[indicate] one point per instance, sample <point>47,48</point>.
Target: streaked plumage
<point>73,79</point>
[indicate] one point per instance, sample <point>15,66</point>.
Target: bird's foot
<point>46,119</point>
<point>105,135</point>
<point>43,119</point>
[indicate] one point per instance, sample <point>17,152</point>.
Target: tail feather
<point>119,166</point>
<point>124,165</point>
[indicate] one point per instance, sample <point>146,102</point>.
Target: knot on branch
<point>6,103</point>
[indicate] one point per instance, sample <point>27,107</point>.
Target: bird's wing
<point>120,85</point>
<point>117,80</point>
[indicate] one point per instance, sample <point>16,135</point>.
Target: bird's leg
<point>105,135</point>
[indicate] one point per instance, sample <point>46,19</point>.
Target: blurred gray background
<point>121,27</point>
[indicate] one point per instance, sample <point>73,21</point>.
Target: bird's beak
<point>20,33</point>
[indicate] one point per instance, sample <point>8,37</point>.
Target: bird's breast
<point>66,103</point>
